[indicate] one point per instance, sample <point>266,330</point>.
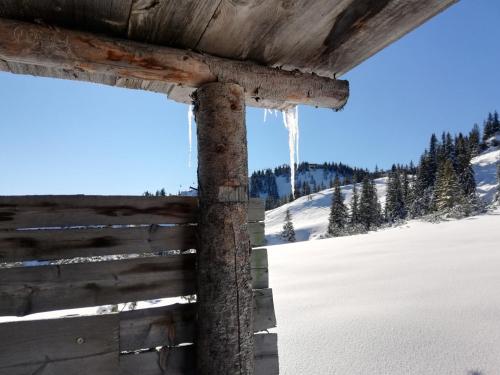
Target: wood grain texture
<point>60,346</point>
<point>88,242</point>
<point>175,324</point>
<point>63,49</point>
<point>180,360</point>
<point>38,211</point>
<point>103,16</point>
<point>70,243</point>
<point>169,22</point>
<point>27,290</point>
<point>224,341</point>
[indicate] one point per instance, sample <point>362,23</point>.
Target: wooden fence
<point>100,250</point>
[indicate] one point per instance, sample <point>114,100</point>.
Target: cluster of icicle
<point>190,133</point>
<point>291,122</point>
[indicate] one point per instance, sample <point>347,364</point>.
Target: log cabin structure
<point>220,55</point>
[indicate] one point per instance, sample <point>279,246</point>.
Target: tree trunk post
<point>224,297</point>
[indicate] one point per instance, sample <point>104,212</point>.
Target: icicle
<point>291,122</point>
<point>265,114</point>
<point>190,132</point>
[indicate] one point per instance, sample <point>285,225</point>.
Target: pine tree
<point>338,212</point>
<point>288,232</point>
<point>475,141</point>
<point>498,182</point>
<point>355,219</point>
<point>369,207</point>
<point>394,205</point>
<point>448,192</point>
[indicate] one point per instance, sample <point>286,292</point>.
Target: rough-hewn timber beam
<point>76,51</point>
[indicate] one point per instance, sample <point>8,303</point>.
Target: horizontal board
<point>260,270</point>
<point>256,210</point>
<point>62,343</point>
<point>69,243</point>
<point>28,290</point>
<point>20,245</point>
<point>175,324</point>
<point>60,346</point>
<point>181,360</point>
<point>72,210</point>
<point>39,211</point>
<point>257,234</point>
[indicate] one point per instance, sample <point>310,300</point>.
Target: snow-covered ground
<point>310,213</point>
<point>419,299</point>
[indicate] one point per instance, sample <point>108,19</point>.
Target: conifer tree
<point>394,205</point>
<point>369,207</point>
<point>338,212</point>
<point>288,232</point>
<point>498,182</point>
<point>355,219</point>
<point>448,192</point>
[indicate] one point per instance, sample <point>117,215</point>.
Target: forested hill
<point>274,184</point>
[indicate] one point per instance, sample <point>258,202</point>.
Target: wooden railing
<point>101,250</point>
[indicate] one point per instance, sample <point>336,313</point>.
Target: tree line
<point>442,183</point>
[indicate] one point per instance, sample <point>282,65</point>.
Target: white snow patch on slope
<point>418,299</point>
<point>310,213</point>
<point>484,167</point>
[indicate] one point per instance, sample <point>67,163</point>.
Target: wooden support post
<point>225,334</point>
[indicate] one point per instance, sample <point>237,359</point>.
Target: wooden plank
<point>27,290</point>
<point>60,347</point>
<point>260,271</point>
<point>71,50</point>
<point>266,354</point>
<point>169,22</point>
<point>88,242</point>
<point>323,36</point>
<point>175,324</point>
<point>109,16</point>
<point>255,230</point>
<point>38,211</point>
<point>256,209</point>
<point>180,360</point>
<point>72,210</point>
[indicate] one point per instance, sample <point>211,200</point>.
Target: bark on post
<point>225,333</point>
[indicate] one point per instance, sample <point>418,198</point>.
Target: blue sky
<point>62,137</point>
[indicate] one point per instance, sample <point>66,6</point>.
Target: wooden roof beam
<point>64,51</point>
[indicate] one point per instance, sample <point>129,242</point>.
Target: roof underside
<point>326,37</point>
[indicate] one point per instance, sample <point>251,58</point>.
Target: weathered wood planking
<point>38,211</point>
<point>257,234</point>
<point>256,210</point>
<point>170,22</point>
<point>175,324</point>
<point>181,360</point>
<point>106,16</point>
<point>63,346</point>
<point>88,242</point>
<point>32,44</point>
<point>72,210</point>
<point>27,290</point>
<point>60,346</point>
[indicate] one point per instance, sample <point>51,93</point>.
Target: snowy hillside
<point>310,213</point>
<point>485,173</point>
<point>417,299</point>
